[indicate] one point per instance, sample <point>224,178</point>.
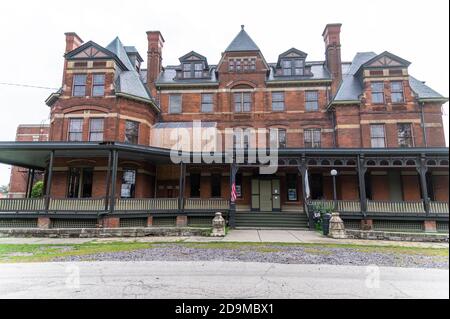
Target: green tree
<point>38,190</point>
<point>4,189</point>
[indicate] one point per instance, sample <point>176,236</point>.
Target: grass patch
<point>10,253</point>
<point>41,253</point>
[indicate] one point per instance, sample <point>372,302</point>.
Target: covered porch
<point>117,184</point>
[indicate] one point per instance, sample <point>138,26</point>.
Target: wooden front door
<point>265,198</point>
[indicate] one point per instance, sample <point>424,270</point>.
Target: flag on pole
<point>233,192</point>
<point>307,190</point>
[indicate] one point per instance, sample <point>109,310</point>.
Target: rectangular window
<point>216,185</point>
<point>79,85</point>
<point>174,103</point>
<point>287,68</point>
<point>75,130</point>
<point>207,103</point>
<point>311,101</point>
<point>377,135</point>
<point>242,102</point>
<point>238,65</point>
<point>80,182</point>
<point>194,179</point>
<point>277,138</point>
<point>198,70</point>
<point>312,138</point>
<point>241,139</point>
<point>131,132</point>
<point>128,183</point>
<point>98,85</point>
<point>298,67</point>
<point>96,130</point>
<point>397,92</point>
<point>253,64</point>
<point>377,92</point>
<point>405,135</point>
<point>186,70</point>
<point>277,101</point>
<point>291,183</point>
<point>231,65</point>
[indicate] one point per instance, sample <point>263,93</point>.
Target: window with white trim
<point>377,135</point>
<point>75,130</point>
<point>242,102</point>
<point>377,92</point>
<point>312,138</point>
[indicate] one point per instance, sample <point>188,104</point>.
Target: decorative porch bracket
<point>362,169</point>
<point>232,215</point>
<point>422,169</point>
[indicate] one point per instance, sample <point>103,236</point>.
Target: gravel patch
<point>271,254</point>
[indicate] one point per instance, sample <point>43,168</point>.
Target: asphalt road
<point>217,280</point>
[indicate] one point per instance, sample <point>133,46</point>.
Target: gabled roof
<point>292,52</point>
<point>192,53</point>
<point>386,59</point>
<point>242,42</point>
<point>197,57</point>
<point>350,89</point>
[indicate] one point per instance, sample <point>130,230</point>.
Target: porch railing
<point>77,204</point>
<point>206,204</point>
<point>22,204</point>
<point>146,204</point>
<point>395,207</point>
<point>351,206</point>
<point>439,207</point>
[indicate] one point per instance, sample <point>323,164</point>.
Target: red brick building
<point>22,179</point>
<point>111,123</point>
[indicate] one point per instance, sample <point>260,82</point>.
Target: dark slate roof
<point>423,91</point>
<point>351,89</point>
<point>242,42</point>
<point>128,81</point>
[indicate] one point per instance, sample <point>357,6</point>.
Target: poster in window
<point>238,191</point>
<point>125,191</point>
<point>292,194</point>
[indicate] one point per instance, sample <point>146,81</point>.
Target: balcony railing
<point>439,207</point>
<point>77,204</point>
<point>211,204</point>
<point>395,207</point>
<point>350,206</point>
<point>146,204</point>
<point>22,204</point>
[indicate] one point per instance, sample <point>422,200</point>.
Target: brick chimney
<point>154,58</point>
<point>73,41</point>
<point>331,36</point>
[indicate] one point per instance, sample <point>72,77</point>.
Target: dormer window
<point>192,70</point>
<point>293,67</point>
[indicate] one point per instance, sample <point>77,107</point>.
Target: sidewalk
<point>237,235</point>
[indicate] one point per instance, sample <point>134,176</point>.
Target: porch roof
<point>36,154</point>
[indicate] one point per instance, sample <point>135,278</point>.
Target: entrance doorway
<point>266,195</point>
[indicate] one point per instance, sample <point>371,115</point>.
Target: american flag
<point>233,192</point>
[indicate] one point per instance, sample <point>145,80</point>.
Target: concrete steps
<point>272,220</point>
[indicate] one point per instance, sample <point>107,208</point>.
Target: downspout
<point>333,123</point>
<point>422,123</point>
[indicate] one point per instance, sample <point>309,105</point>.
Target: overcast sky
<point>32,38</point>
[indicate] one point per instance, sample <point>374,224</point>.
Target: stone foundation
<point>104,232</point>
<point>430,226</point>
<point>397,236</point>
